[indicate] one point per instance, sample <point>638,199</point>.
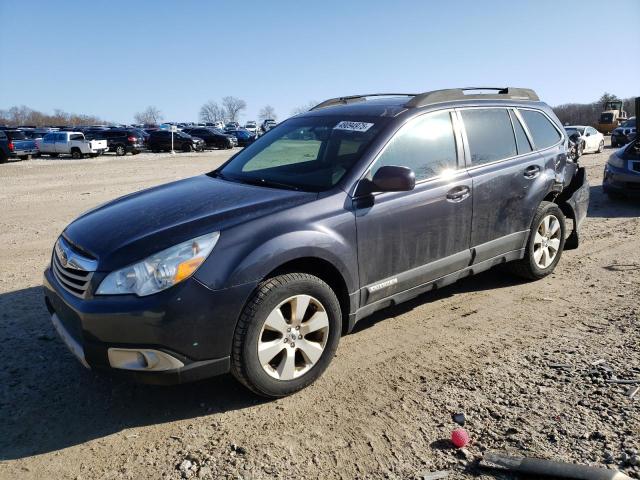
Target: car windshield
<point>307,153</point>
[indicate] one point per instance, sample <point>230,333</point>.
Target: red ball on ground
<point>459,437</point>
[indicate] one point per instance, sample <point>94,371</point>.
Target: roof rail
<point>357,98</point>
<point>502,93</point>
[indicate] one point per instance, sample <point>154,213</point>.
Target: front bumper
<point>621,180</point>
<point>189,323</point>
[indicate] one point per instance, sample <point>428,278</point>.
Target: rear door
<point>406,239</point>
<point>62,143</point>
<point>508,180</point>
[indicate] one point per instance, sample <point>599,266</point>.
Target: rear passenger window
<point>542,130</point>
<point>426,145</point>
<point>521,138</point>
<point>76,136</point>
<point>490,134</point>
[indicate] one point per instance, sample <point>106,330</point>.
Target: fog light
<point>142,360</point>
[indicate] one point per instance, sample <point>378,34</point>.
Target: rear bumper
<point>23,153</point>
<point>189,324</point>
<point>574,203</point>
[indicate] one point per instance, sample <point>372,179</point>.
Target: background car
<point>160,140</point>
<point>268,124</point>
<point>622,172</point>
<point>121,141</point>
<point>624,133</point>
<point>213,138</point>
<point>243,136</point>
<point>593,139</point>
<point>251,126</point>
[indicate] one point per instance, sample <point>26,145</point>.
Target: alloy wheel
<point>293,337</point>
<point>547,241</point>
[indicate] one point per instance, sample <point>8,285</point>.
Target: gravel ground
<point>530,364</point>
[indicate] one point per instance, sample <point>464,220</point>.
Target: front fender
<point>325,245</point>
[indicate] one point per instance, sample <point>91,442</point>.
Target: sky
<point>114,58</point>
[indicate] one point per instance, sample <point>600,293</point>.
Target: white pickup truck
<point>71,143</point>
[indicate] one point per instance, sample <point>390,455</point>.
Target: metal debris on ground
<point>549,468</point>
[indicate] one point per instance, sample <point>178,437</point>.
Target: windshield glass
<point>16,135</point>
<point>606,118</point>
<point>311,153</point>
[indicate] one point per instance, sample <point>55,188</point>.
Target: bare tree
<point>151,116</point>
<point>607,97</point>
<point>304,108</point>
<point>21,115</point>
<point>233,106</point>
<point>211,112</point>
<point>267,112</point>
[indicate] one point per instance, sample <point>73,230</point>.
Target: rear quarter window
<point>544,133</point>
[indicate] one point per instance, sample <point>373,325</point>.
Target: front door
<point>406,239</point>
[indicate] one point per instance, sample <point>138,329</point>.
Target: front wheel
<point>601,146</point>
<point>545,244</point>
<point>287,335</point>
<point>187,147</point>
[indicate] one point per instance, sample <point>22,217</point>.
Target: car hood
<point>135,226</point>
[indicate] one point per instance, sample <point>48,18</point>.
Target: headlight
<point>162,270</point>
<point>616,161</point>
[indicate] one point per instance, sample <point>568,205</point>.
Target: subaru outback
<point>363,202</point>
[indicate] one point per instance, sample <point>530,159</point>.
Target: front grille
<point>72,270</point>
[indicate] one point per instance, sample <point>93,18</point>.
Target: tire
<point>289,369</point>
<point>614,144</point>
<point>76,154</point>
<point>536,265</point>
<point>3,159</point>
<point>601,146</point>
<point>187,147</point>
<point>121,151</point>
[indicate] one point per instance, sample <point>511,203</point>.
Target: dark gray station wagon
<point>361,203</point>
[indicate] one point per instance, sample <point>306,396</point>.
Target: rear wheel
<point>76,153</point>
<point>3,159</point>
<point>120,150</point>
<point>545,244</point>
<point>287,335</point>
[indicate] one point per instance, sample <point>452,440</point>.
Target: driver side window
<point>426,145</point>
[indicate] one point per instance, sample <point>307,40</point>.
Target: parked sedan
<point>160,140</point>
<point>624,133</point>
<point>593,139</point>
<point>213,138</point>
<point>244,137</point>
<point>622,171</point>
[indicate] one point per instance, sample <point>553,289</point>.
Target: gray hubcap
<point>547,241</point>
<point>293,337</point>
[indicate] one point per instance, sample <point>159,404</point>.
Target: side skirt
<point>443,281</point>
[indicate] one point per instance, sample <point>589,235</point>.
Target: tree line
<point>230,108</point>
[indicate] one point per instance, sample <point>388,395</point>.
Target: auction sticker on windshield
<point>353,126</point>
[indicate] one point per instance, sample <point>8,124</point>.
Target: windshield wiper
<point>266,183</point>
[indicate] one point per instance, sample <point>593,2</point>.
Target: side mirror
<point>588,134</point>
<point>390,178</point>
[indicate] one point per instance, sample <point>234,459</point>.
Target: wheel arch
<point>325,271</point>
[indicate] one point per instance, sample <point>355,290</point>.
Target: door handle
<point>532,171</point>
<point>458,194</point>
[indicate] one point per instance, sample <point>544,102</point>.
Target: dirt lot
<point>517,358</point>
